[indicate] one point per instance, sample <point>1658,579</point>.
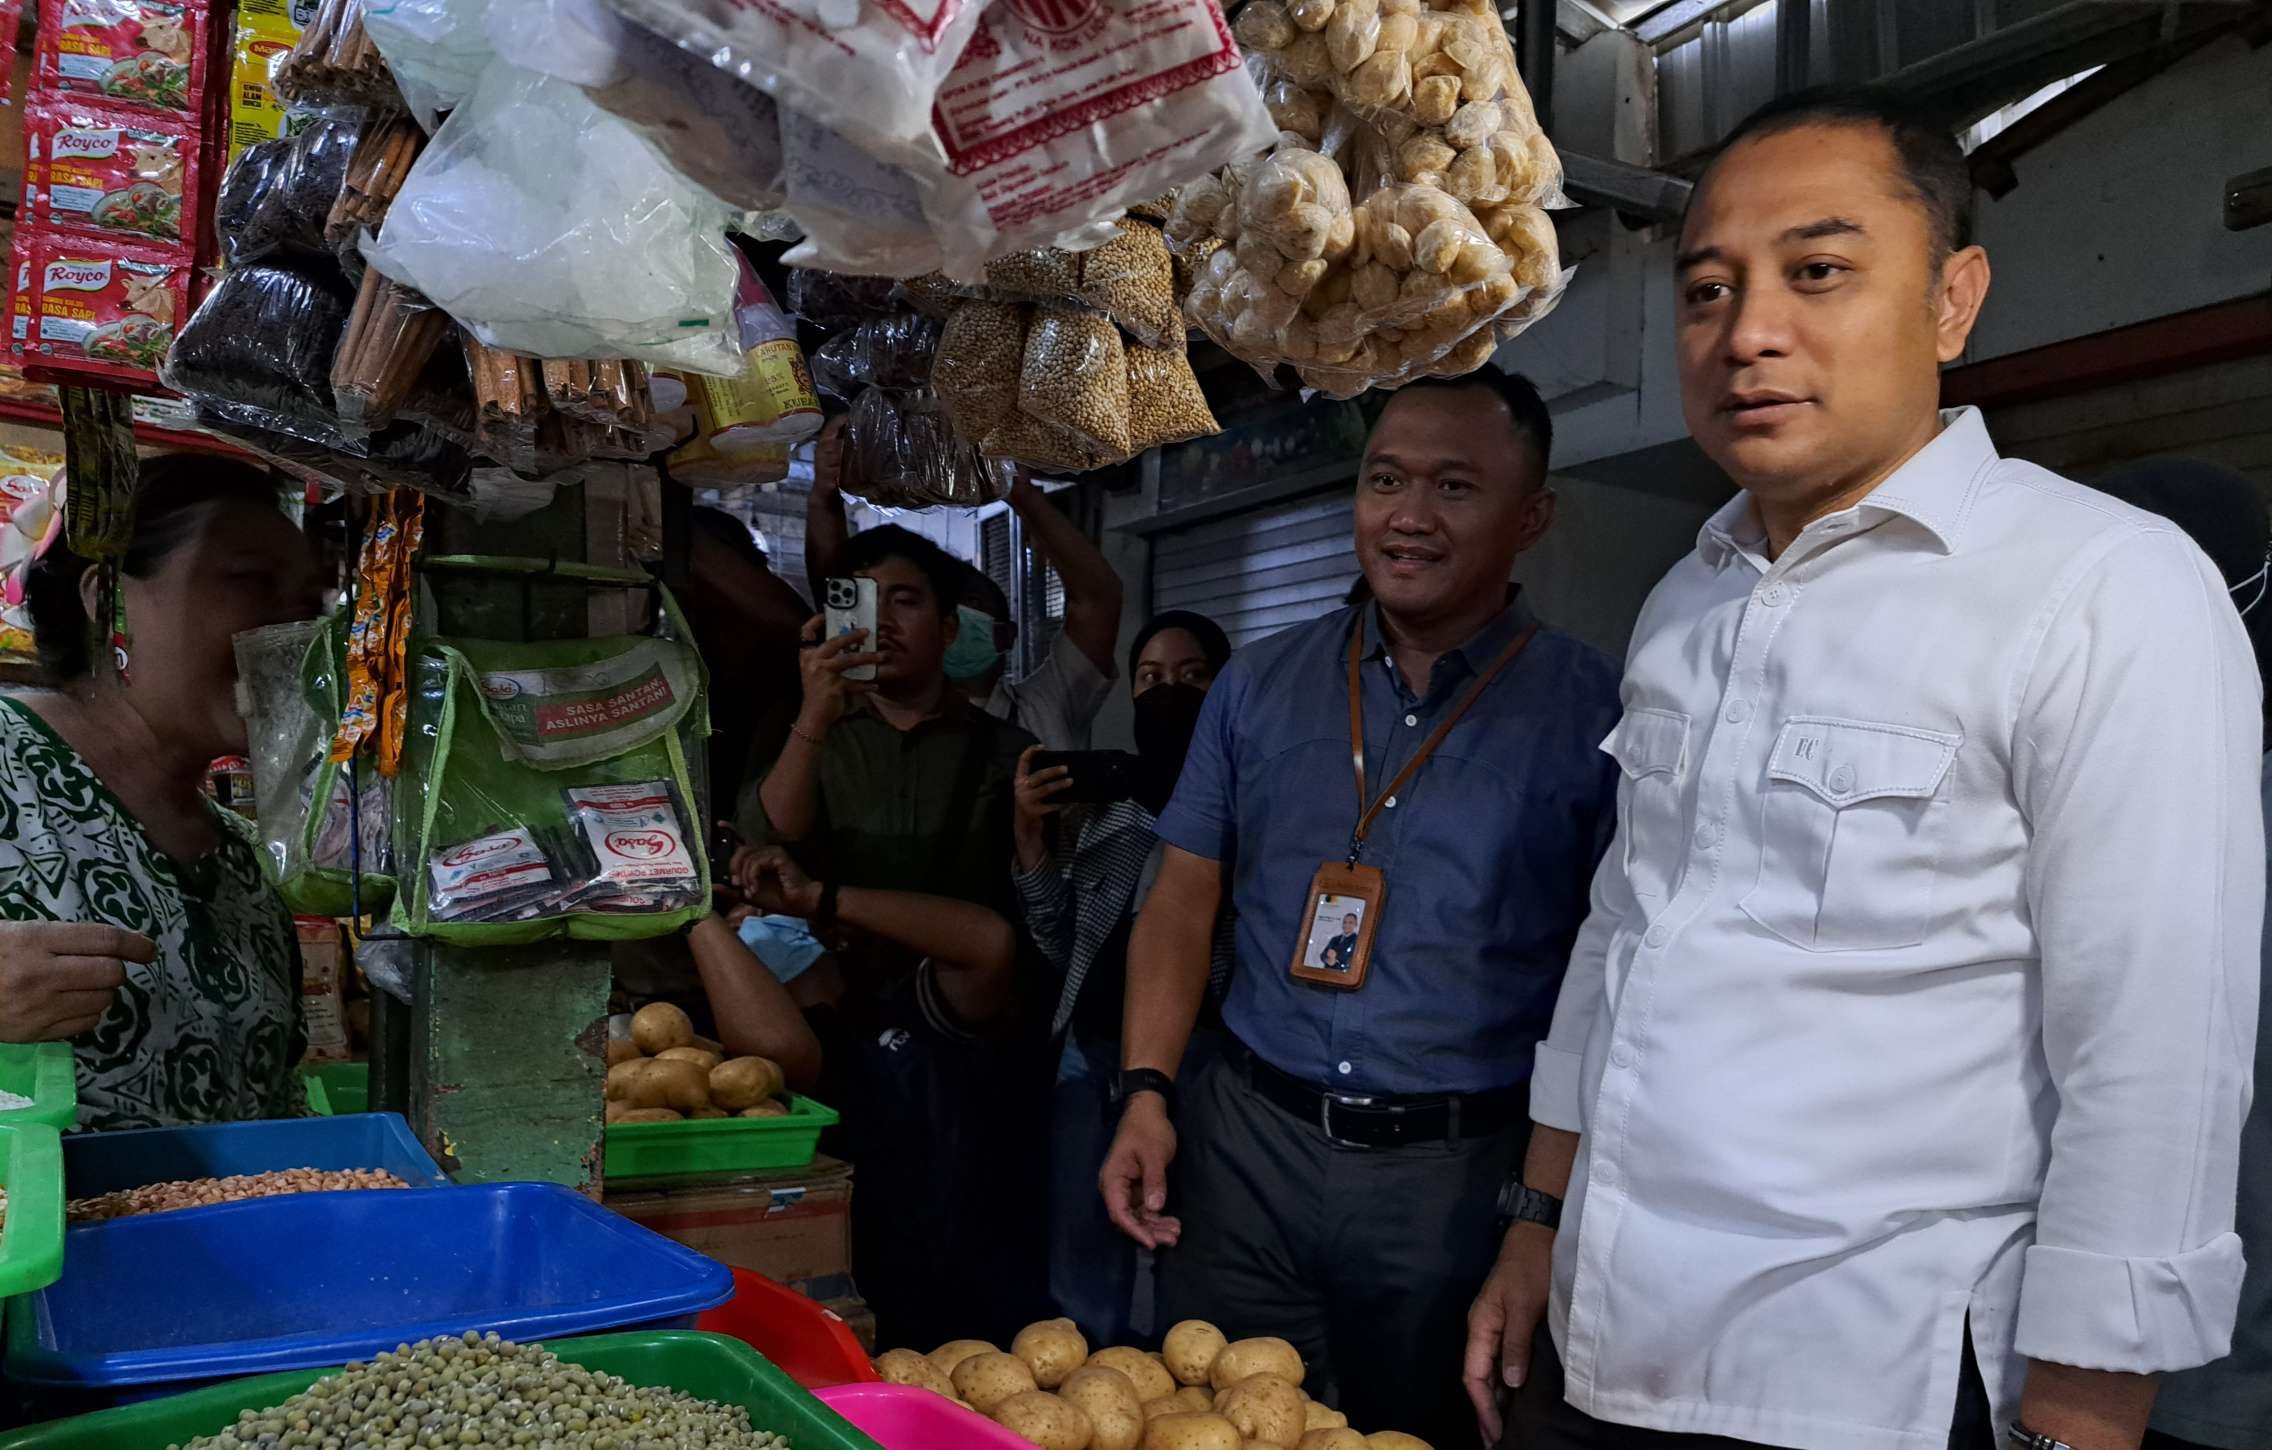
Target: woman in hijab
<point>1083,872</point>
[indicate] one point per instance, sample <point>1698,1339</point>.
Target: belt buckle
<point>1326,1103</point>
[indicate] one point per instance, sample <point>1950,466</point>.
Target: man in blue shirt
<point>1338,1171</point>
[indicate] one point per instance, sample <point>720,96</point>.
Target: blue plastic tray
<point>322,1278</point>
<point>105,1162</point>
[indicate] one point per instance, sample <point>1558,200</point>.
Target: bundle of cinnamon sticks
<point>391,335</point>
<point>374,174</point>
<point>336,60</point>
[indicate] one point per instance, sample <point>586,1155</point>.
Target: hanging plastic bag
<point>861,215</point>
<point>546,226</point>
<point>720,133</point>
<point>883,352</point>
<point>870,69</point>
<point>322,823</point>
<point>258,351</point>
<point>437,50</point>
<point>1051,136</point>
<point>555,788</point>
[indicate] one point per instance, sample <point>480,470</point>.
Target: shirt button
<point>1412,719</point>
<point>1343,1068</point>
<point>1774,595</point>
<point>1657,936</point>
<point>1621,1055</point>
<point>1390,803</point>
<point>1842,778</point>
<point>1605,1174</point>
<point>1738,711</point>
<point>1705,836</point>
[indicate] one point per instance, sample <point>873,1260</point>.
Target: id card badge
<point>1336,946</point>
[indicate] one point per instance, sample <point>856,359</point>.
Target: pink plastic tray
<point>902,1417</point>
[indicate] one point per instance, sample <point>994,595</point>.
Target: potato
<point>1108,1398</point>
<point>700,1056</point>
<point>615,1112</point>
<point>1396,1440</point>
<point>986,1380</point>
<point>621,1050</point>
<point>1322,1417</point>
<point>770,1108</point>
<point>1265,1355</point>
<point>1150,1377</point>
<point>1190,1349</point>
<point>906,1367</point>
<point>1045,1420</point>
<point>1192,1432</point>
<point>627,1083</point>
<point>683,1085</point>
<point>1337,1437</point>
<point>1264,1407</point>
<point>955,1351</point>
<point>744,1082</point>
<point>1052,1349</point>
<point>1196,1398</point>
<point>659,1026</point>
<point>1164,1405</point>
<point>707,1114</point>
<point>650,1115</point>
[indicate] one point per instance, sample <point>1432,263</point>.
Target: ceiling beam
<point>1636,190</point>
<point>1662,25</point>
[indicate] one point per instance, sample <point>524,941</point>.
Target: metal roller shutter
<point>1260,572</point>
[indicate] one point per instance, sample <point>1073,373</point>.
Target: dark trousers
<point>1365,1259</point>
<point>1540,1419</point>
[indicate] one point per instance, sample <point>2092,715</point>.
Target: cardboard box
<point>794,1227</point>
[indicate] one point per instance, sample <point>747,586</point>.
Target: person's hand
<point>57,978</point>
<point>828,456</point>
<point>775,884</point>
<point>1036,794</point>
<point>1504,1319</point>
<point>822,663</point>
<point>1021,490</point>
<point>1134,1179</point>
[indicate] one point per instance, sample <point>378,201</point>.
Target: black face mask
<point>1166,717</point>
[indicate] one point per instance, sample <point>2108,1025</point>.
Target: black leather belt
<point>1381,1120</point>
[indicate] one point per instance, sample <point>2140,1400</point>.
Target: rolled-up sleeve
<point>2136,759</point>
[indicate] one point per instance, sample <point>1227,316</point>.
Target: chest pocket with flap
<point>1651,748</point>
<point>1848,855</point>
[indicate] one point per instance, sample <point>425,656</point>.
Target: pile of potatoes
<point>662,1073</point>
<point>1199,1392</point>
<point>1415,108</point>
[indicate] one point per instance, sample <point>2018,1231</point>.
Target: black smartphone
<point>1099,777</point>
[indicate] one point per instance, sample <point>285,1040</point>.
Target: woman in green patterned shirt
<point>135,920</point>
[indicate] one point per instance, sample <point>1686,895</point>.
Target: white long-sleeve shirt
<point>1921,979</point>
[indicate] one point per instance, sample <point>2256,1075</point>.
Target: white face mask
<point>2257,582</point>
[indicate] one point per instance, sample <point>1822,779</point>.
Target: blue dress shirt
<point>1488,852</point>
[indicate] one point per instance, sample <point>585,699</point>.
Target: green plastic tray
<point>43,1072</point>
<point>31,1243</point>
<point>337,1087</point>
<point>716,1147</point>
<point>709,1366</point>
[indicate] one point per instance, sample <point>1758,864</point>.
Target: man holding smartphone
<point>1336,1171</point>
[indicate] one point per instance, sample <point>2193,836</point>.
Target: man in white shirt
<point>1913,1014</point>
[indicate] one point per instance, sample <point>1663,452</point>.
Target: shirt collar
<point>1933,490</point>
<point>1478,653</point>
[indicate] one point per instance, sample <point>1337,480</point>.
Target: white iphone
<point>852,605</point>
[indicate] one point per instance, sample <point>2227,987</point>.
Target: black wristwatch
<point>824,916</point>
<point>1521,1203</point>
<point>1144,1080</point>
<point>2027,1439</point>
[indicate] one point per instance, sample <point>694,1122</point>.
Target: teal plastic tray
<point>716,1148</point>
<point>43,1072</point>
<point>31,1243</point>
<point>708,1366</point>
